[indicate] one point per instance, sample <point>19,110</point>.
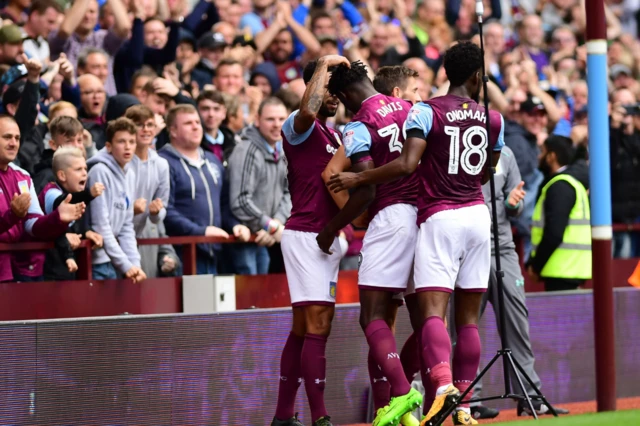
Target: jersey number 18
<point>457,159</point>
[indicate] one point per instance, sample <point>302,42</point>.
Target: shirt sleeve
<point>50,198</point>
<point>356,138</point>
<point>290,134</point>
<point>420,118</point>
<point>500,141</point>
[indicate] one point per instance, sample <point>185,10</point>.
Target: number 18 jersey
<point>378,128</point>
<point>454,160</point>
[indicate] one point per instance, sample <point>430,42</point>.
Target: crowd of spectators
<point>163,117</point>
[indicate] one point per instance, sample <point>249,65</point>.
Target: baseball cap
<point>618,69</point>
<point>211,40</point>
<point>11,34</point>
<point>531,104</point>
<point>13,93</point>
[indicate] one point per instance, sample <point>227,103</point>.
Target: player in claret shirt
<point>375,137</point>
<point>447,136</point>
<point>309,144</point>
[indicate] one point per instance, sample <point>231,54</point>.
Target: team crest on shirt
<point>465,105</point>
<point>23,185</point>
<point>348,138</point>
<point>332,288</point>
<point>382,102</point>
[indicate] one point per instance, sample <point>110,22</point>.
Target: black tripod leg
<point>524,391</point>
<point>439,420</point>
<point>535,388</point>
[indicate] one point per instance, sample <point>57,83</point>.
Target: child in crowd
<point>112,213</point>
<point>70,170</point>
<point>151,195</point>
<point>65,131</point>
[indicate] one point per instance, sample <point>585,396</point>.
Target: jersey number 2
<point>457,159</point>
<point>394,131</point>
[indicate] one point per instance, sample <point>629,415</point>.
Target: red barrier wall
<point>73,299</point>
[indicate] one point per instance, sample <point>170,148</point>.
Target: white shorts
<point>388,249</point>
<point>454,250</point>
<point>312,275</point>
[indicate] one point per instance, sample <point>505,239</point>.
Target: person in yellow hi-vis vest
<point>561,232</point>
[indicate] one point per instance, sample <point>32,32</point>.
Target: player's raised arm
<point>315,93</point>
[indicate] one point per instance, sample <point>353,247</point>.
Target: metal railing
<point>188,243</point>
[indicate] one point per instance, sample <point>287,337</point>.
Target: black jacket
<point>43,171</point>
<point>559,201</point>
<point>32,146</point>
<point>625,176</point>
<point>55,263</point>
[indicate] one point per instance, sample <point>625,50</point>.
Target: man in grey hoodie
<point>259,190</point>
<point>112,213</point>
<point>151,196</point>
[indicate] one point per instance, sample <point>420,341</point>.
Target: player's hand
<point>97,189</point>
<point>72,266</point>
<point>361,221</point>
<point>535,277</point>
<point>168,265</point>
<point>264,239</point>
<point>69,212</point>
<point>155,207</point>
<point>95,238</point>
<point>139,206</point>
<point>343,181</point>
<point>20,204</point>
<point>136,274</point>
<point>74,240</point>
<point>516,195</point>
<point>325,241</point>
<point>335,60</point>
<point>242,233</point>
<point>214,231</point>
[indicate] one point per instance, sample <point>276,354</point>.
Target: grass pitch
<point>616,418</point>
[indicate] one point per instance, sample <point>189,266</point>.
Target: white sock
<point>442,389</point>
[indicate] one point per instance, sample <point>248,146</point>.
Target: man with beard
<point>309,145</point>
<point>11,49</point>
<point>447,136</point>
<point>561,233</point>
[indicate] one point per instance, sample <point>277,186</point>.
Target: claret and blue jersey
<point>376,133</point>
<point>455,157</point>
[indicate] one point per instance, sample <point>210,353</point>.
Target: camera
<point>632,109</point>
